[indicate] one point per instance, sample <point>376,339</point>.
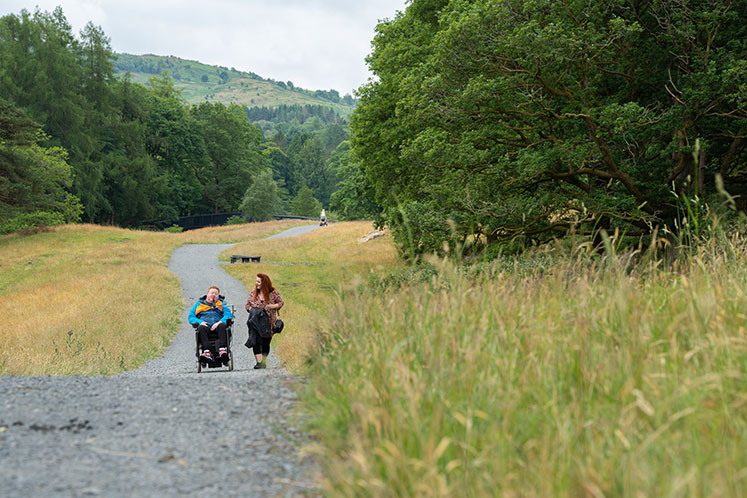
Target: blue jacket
<point>203,311</point>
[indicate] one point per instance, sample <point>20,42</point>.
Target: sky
<point>316,44</point>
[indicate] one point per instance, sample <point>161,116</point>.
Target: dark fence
<point>189,222</point>
<point>284,217</point>
<point>207,220</point>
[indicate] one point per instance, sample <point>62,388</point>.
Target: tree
<point>42,73</point>
<point>332,135</point>
<point>133,186</point>
<point>175,143</point>
<point>34,178</point>
<point>377,132</point>
<point>231,154</point>
<point>520,121</point>
<point>98,74</point>
<point>261,200</point>
<point>311,160</point>
<point>283,172</point>
<point>163,86</point>
<point>351,200</point>
<point>304,204</point>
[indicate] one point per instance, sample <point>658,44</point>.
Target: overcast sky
<point>316,44</point>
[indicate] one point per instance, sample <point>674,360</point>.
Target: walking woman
<point>266,297</point>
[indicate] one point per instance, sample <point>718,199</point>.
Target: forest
<point>78,144</point>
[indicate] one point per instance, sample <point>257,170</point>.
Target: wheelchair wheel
<point>199,366</point>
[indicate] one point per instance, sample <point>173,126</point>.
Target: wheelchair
<point>217,361</point>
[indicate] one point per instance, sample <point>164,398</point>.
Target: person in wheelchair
<point>210,313</point>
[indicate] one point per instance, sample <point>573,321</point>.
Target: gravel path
<point>161,430</point>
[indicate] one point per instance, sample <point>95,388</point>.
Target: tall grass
<point>584,377</point>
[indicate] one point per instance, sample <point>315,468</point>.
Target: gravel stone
<point>163,429</point>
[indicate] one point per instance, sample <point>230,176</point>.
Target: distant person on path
<point>210,313</point>
<point>266,297</point>
<point>323,217</point>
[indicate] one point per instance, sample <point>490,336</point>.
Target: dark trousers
<point>263,346</point>
<point>202,331</point>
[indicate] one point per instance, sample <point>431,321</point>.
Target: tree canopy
<point>304,204</point>
<point>261,199</point>
<point>127,152</point>
<point>35,178</point>
<point>521,120</point>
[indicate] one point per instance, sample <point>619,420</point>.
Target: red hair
<point>214,287</point>
<point>265,286</point>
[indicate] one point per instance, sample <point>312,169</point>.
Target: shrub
<point>27,221</point>
<point>235,220</point>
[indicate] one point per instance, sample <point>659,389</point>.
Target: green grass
<point>584,377</point>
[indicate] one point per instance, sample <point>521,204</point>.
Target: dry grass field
<point>89,300</point>
<point>310,272</point>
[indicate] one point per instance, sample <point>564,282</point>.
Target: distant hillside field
<point>205,83</point>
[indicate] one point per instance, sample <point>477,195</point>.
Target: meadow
<point>312,273</point>
<point>555,374</point>
<point>92,300</point>
<point>561,373</point>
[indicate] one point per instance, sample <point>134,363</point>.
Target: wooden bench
<point>244,259</point>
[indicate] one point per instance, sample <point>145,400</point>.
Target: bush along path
<point>161,430</point>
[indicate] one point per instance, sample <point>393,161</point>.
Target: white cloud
<point>316,44</point>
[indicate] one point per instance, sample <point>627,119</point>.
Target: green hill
<point>205,83</point>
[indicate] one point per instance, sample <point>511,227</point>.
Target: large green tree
<point>175,143</point>
<point>261,199</point>
<point>315,169</point>
<point>518,120</point>
<point>34,180</point>
<point>231,157</point>
<point>305,204</point>
<point>134,187</point>
<point>41,72</point>
<point>283,173</point>
<point>353,197</point>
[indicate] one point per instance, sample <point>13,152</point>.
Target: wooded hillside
<point>200,82</point>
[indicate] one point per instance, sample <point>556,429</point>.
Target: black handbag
<point>279,325</point>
